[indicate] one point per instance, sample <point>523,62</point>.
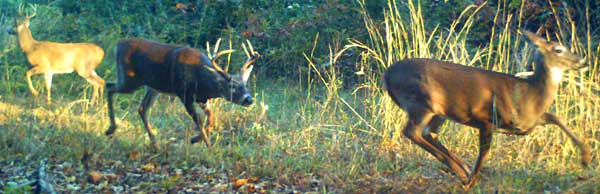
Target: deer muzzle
<point>247,100</point>
<point>581,65</point>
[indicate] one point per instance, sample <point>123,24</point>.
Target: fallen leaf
<point>240,182</point>
<point>110,176</point>
<point>253,179</point>
<point>251,188</point>
<point>94,176</point>
<point>246,34</point>
<point>134,155</point>
<point>68,170</point>
<point>148,167</point>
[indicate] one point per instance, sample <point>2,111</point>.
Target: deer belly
<point>61,71</point>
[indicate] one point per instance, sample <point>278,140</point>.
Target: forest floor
<point>278,145</point>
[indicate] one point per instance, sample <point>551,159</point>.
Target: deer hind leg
<point>434,127</point>
<point>97,83</point>
<point>143,110</point>
<point>48,78</point>
<point>414,131</point>
<point>586,153</point>
<point>189,107</point>
<point>33,71</point>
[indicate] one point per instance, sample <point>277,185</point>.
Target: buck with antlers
<point>181,71</point>
<point>51,58</point>
<point>431,91</point>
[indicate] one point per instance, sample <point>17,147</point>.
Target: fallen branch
<point>43,185</point>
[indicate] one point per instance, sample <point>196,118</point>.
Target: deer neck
<point>546,82</point>
<point>26,40</point>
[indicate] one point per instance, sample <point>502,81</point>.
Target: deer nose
<point>247,101</point>
<point>582,65</point>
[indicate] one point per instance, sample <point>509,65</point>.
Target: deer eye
<point>559,50</point>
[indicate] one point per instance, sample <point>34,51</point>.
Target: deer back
<point>465,94</point>
<point>167,68</point>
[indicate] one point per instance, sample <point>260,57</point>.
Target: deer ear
<point>535,39</point>
<point>246,73</point>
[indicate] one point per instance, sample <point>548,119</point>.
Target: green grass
<point>347,139</point>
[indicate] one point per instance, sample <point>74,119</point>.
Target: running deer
<point>181,71</point>
<point>431,91</point>
<point>51,58</point>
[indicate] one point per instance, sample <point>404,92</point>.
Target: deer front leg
<point>414,131</point>
<point>28,74</point>
<point>210,119</point>
<point>143,110</point>
<point>485,143</point>
<point>189,107</point>
<point>48,78</point>
<point>586,153</point>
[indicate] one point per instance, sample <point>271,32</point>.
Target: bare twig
<point>43,185</point>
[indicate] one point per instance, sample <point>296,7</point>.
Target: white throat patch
<point>556,74</point>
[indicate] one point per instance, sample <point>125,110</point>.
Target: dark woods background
<point>281,29</point>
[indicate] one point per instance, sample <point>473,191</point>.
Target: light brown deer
<point>432,91</point>
<point>51,58</point>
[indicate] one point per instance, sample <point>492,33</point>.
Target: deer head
<point>22,22</point>
<point>233,87</point>
<point>554,56</point>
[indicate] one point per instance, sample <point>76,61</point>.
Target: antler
<point>34,9</point>
<point>252,56</point>
<point>214,55</point>
<point>21,10</point>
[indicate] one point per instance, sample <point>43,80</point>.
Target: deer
<point>432,91</point>
<point>178,71</point>
<point>51,58</point>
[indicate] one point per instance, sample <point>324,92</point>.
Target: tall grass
<point>348,140</point>
<point>402,36</point>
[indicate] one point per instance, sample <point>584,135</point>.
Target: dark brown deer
<point>51,58</point>
<point>181,71</point>
<point>431,91</point>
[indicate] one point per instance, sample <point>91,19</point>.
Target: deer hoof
<point>198,138</point>
<point>195,139</point>
<point>469,184</point>
<point>110,130</point>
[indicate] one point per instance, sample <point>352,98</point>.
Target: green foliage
<point>14,188</point>
<point>279,29</point>
<point>282,30</point>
